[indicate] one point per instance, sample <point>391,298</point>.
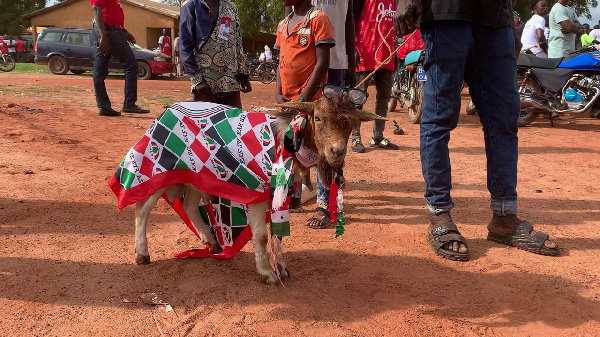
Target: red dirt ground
<point>66,252</point>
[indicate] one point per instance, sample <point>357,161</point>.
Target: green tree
<point>11,15</point>
<point>582,8</point>
<point>258,16</point>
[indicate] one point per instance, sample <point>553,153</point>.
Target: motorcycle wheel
<point>529,114</point>
<point>253,72</point>
<point>266,73</point>
<point>417,96</point>
<point>393,103</point>
<point>7,63</point>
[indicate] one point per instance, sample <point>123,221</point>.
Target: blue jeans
<point>120,49</point>
<point>485,58</point>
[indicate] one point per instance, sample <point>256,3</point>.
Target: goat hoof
<point>284,274</point>
<point>142,259</point>
<point>270,279</point>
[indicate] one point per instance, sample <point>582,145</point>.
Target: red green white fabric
<point>222,150</point>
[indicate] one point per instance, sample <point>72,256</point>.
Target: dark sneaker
<point>357,146</point>
<point>108,112</point>
<point>135,109</point>
<point>384,144</point>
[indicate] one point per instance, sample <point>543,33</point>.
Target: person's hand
<point>103,45</point>
<point>407,14</point>
<point>129,37</point>
<point>245,85</point>
<point>351,77</point>
<point>518,46</point>
<point>280,98</point>
<point>203,88</point>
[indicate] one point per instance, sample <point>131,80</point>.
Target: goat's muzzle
<point>338,153</point>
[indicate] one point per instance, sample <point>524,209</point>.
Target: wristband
<point>301,99</point>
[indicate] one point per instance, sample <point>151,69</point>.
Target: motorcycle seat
<point>525,60</point>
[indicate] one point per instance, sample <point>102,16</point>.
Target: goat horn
<point>368,116</point>
<point>306,107</point>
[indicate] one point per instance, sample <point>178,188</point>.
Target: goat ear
<point>368,116</point>
<point>306,107</point>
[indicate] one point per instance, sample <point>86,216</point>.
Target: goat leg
<point>190,206</point>
<point>260,236</point>
<point>142,212</point>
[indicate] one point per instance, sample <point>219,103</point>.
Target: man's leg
<point>122,51</point>
<point>383,84</point>
<point>447,46</point>
<point>491,75</point>
<point>336,77</point>
<point>100,73</point>
<point>357,145</point>
<point>233,98</point>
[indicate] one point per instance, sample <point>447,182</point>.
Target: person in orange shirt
<point>303,39</point>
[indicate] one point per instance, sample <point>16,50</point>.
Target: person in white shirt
<point>12,50</point>
<point>268,54</point>
<point>533,33</point>
<point>595,34</point>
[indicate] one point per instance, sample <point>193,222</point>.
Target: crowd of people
<point>15,48</point>
<point>337,42</point>
<point>558,32</point>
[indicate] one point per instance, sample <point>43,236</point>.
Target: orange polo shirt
<point>298,51</point>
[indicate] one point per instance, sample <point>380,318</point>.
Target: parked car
<point>70,49</point>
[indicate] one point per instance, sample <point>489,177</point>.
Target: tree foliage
<point>258,16</point>
<point>582,8</point>
<point>11,15</point>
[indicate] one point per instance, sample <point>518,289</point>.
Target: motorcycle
<point>554,87</point>
<point>408,86</point>
<point>252,65</point>
<point>267,71</point>
<point>263,71</point>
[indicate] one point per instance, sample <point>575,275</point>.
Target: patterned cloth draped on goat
<point>227,152</point>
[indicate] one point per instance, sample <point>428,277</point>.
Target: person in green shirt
<point>586,39</point>
<point>563,29</point>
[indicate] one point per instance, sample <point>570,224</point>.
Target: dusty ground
<point>66,252</point>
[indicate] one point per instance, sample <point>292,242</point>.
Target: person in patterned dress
<point>211,51</point>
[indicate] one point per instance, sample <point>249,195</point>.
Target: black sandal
<point>318,221</point>
<point>443,234</point>
<point>523,240</point>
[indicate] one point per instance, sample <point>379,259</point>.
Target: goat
<point>329,124</point>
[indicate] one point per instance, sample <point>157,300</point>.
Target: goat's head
<point>330,124</point>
